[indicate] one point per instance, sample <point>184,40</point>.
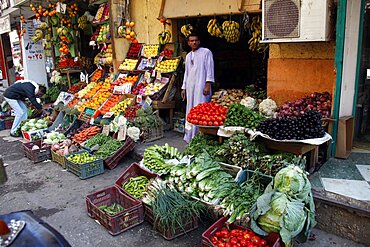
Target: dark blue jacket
<point>21,91</point>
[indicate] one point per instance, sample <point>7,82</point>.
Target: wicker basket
<point>152,134</point>
<point>132,215</point>
<point>58,159</point>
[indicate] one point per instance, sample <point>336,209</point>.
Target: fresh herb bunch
<point>201,143</point>
<point>108,148</point>
<point>147,119</point>
<point>240,151</point>
<point>238,199</point>
<point>242,116</point>
<point>171,209</point>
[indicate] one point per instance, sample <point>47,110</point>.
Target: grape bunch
<point>307,126</point>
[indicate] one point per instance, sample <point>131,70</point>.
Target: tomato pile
<point>237,238</point>
<point>207,114</point>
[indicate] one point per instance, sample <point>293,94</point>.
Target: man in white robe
<point>199,75</point>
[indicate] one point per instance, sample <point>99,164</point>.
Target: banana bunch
<point>256,30</point>
<point>186,30</point>
<point>43,26</point>
<point>82,22</point>
<point>214,28</point>
<point>164,37</point>
<point>38,35</point>
<point>231,31</point>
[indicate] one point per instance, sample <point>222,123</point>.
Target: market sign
<point>5,24</point>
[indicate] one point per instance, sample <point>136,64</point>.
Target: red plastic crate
<point>37,155</point>
<point>8,123</point>
<point>112,161</point>
<point>188,226</point>
<point>134,170</point>
<point>115,224</point>
<point>272,239</point>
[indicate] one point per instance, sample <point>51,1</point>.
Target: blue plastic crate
<point>87,170</point>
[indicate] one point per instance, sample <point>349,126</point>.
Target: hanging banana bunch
<point>164,37</point>
<point>82,22</point>
<point>186,30</point>
<point>231,31</point>
<point>214,28</point>
<point>256,30</point>
<point>39,34</point>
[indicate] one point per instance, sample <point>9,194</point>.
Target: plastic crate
<point>134,170</point>
<point>8,123</point>
<point>273,239</point>
<point>152,134</point>
<point>115,224</point>
<point>38,155</point>
<point>112,161</point>
<point>188,226</point>
<point>58,159</point>
<point>2,125</point>
<point>86,170</point>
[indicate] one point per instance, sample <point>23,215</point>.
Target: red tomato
<point>243,243</point>
<point>215,123</point>
<point>210,123</point>
<point>233,240</point>
<point>228,244</point>
<point>234,233</point>
<point>247,236</point>
<point>256,240</point>
<point>250,245</point>
<point>214,240</point>
<point>263,242</point>
<point>218,234</point>
<point>212,119</point>
<point>195,121</point>
<point>221,245</point>
<point>225,233</point>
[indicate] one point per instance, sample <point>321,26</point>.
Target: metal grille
<point>282,18</point>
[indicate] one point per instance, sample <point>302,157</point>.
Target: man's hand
<point>183,94</point>
<point>207,89</point>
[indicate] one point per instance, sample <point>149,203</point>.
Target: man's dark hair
<point>42,89</point>
<point>193,34</point>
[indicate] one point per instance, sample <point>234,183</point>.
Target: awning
<point>192,8</point>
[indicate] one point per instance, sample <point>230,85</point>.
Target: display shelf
<point>97,2</point>
<point>68,72</point>
<point>95,24</point>
<point>103,42</point>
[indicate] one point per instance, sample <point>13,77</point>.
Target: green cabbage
<point>286,207</point>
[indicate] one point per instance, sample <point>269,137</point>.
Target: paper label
<point>106,130</point>
<point>61,7</point>
<point>147,75</point>
<point>108,115</point>
<point>121,133</point>
<point>159,76</point>
<point>139,99</point>
<point>82,77</point>
<point>148,100</point>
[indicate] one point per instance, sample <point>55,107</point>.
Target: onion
<point>55,147</point>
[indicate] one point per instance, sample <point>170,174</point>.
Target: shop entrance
<point>362,123</point>
<point>236,66</point>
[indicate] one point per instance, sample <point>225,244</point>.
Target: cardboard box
<point>344,143</point>
<point>33,135</point>
<point>179,125</point>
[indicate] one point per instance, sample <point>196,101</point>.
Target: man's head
<point>193,41</point>
<point>42,91</point>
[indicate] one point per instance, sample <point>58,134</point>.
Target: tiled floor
<point>350,177</point>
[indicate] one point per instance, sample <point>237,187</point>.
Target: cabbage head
<point>293,181</point>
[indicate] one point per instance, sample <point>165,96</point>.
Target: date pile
<point>307,126</point>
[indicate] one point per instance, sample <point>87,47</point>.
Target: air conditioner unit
<point>296,20</point>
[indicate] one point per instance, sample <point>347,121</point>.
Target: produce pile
<point>207,114</point>
<point>227,97</point>
<point>171,209</point>
<point>113,209</point>
<point>154,158</point>
<point>104,146</point>
<point>81,158</point>
<point>147,119</point>
<point>136,186</point>
<point>200,144</point>
<point>286,207</point>
<point>201,179</point>
<point>242,116</point>
<point>320,102</point>
<point>237,237</point>
<point>86,134</point>
<point>306,126</point>
<point>34,124</point>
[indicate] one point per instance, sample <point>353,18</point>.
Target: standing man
<point>199,75</point>
<point>16,94</point>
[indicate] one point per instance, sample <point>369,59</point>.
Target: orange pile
<point>100,97</point>
<point>73,102</point>
<point>110,103</point>
<point>97,75</point>
<point>95,89</point>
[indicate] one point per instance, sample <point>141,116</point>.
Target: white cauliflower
<point>267,107</point>
<point>248,102</point>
